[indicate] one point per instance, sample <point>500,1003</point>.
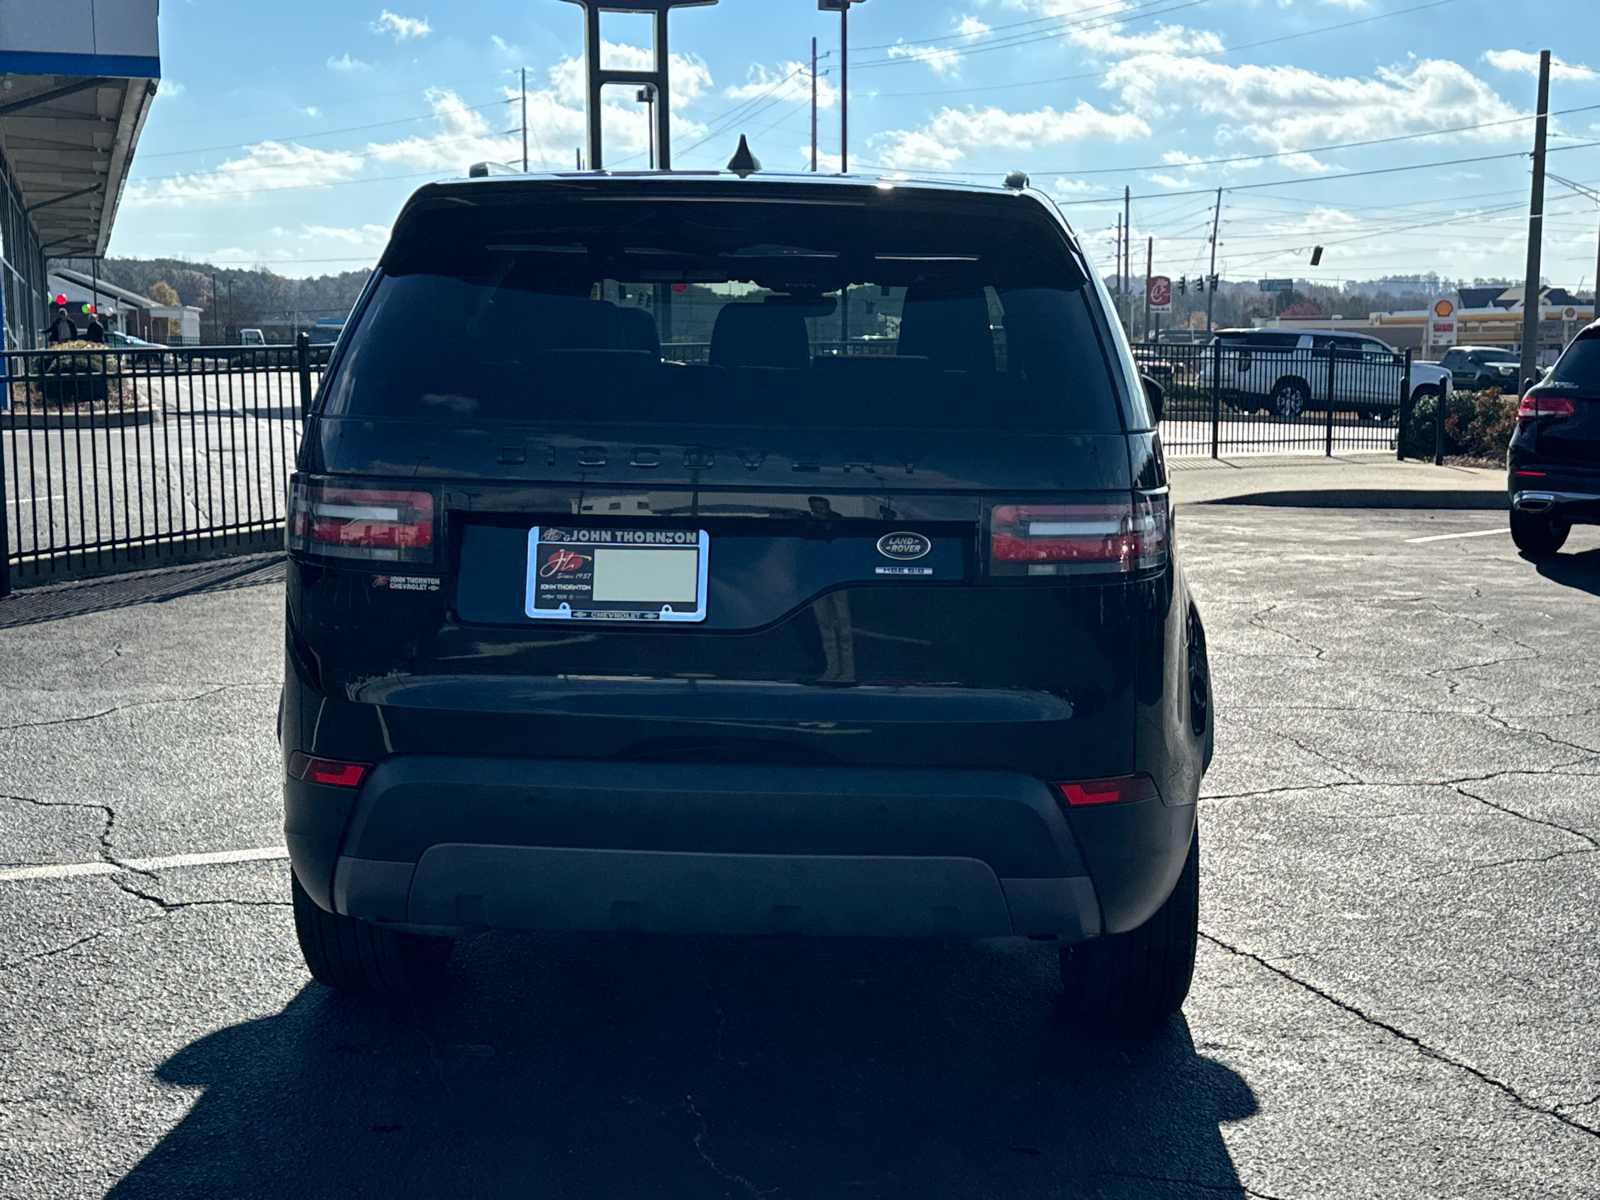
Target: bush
<point>1477,425</point>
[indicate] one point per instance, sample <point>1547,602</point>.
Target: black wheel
<point>1134,981</point>
<point>355,956</point>
<point>1289,398</point>
<point>1536,534</point>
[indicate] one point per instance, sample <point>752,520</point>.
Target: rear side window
<point>1579,366</point>
<point>705,311</point>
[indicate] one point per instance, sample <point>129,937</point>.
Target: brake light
<point>327,770</point>
<point>1121,534</point>
<point>1118,789</point>
<point>1542,404</point>
<point>353,522</point>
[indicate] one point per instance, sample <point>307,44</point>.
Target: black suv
<point>699,554</point>
<point>1553,467</point>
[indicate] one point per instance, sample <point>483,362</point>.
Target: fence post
<point>1216,394</point>
<point>1403,410</point>
<point>1327,441</point>
<point>302,349</point>
<point>1438,425</point>
<point>5,531</point>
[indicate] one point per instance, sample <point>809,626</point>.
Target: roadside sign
<point>1442,324</point>
<point>1158,288</point>
<point>1277,285</point>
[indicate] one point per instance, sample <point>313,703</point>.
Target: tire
<point>1134,981</point>
<point>1289,398</point>
<point>1538,535</point>
<point>354,956</point>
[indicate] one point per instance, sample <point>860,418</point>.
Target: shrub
<point>1476,425</point>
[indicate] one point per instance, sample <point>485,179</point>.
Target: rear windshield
<point>1580,365</point>
<point>707,311</point>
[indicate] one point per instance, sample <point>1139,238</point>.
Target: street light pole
<point>813,104</point>
<point>842,7</point>
<point>524,120</point>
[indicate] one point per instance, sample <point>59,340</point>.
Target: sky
<point>1394,133</point>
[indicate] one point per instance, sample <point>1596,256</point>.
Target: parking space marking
<point>76,870</point>
<point>1445,537</point>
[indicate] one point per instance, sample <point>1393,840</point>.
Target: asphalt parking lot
<point>1397,992</point>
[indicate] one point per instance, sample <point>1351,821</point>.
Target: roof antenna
<point>1016,180</point>
<point>743,163</point>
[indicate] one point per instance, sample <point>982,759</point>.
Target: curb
<point>1483,501</point>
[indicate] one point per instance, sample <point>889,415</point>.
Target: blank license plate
<point>616,574</point>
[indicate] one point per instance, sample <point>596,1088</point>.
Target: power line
<point>303,137</point>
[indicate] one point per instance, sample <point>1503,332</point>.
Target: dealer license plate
<point>616,574</point>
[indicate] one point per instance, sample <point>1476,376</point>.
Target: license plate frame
<point>586,574</point>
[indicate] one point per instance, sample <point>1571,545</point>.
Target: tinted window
<point>695,310</point>
<point>1274,341</point>
<point>1580,365</point>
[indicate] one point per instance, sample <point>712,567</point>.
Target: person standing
<point>61,329</point>
<point>94,331</point>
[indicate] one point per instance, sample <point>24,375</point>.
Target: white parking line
<point>1445,537</point>
<point>75,870</point>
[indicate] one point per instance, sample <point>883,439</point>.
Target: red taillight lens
<point>327,770</point>
<point>355,522</point>
<point>1125,533</point>
<point>1542,404</point>
<point>1118,789</point>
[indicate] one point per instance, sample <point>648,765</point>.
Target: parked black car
<point>1554,462</point>
<point>585,636</point>
<point>1473,368</point>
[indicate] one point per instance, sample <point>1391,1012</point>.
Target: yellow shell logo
<point>1443,309</point>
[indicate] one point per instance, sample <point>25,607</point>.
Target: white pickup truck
<point>1287,371</point>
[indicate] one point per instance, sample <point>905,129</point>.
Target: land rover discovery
<point>765,556</point>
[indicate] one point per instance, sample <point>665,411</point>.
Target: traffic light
<point>1183,285</point>
<point>1213,283</point>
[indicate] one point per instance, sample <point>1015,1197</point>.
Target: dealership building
<point>77,78</point>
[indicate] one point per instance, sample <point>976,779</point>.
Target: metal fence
<point>1224,399</point>
<point>121,459</point>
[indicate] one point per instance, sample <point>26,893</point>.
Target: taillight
<point>1542,404</point>
<point>355,522</point>
<point>333,771</point>
<point>1118,789</point>
<point>1094,536</point>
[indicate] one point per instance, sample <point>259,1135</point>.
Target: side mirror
<point>1157,397</point>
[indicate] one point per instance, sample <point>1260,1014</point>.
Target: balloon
<point>62,298</point>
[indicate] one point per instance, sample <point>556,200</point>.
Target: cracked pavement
<point>1397,989</point>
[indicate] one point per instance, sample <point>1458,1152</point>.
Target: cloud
<point>944,139</point>
<point>689,73</point>
<point>789,81</point>
<point>359,235</point>
<point>170,88</point>
<point>1285,108</point>
<point>1092,24</point>
<point>268,165</point>
<point>1524,62</point>
<point>462,137</point>
<point>403,29</point>
<point>509,49</point>
<point>347,63</point>
<point>941,60</point>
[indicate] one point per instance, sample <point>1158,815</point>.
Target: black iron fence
<point>121,459</point>
<point>1227,399</point>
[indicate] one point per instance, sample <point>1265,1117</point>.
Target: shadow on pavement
<point>616,1066</point>
<point>51,602</point>
<point>1581,571</point>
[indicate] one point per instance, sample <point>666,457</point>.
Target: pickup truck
<point>1286,372</point>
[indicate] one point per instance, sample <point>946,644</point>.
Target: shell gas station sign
<point>1442,324</point>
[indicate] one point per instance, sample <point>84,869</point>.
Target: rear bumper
<point>1560,504</point>
<point>436,843</point>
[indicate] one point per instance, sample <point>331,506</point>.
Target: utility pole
<point>1149,265</point>
<point>1530,289</point>
<point>813,104</point>
<point>1116,287</point>
<point>1211,277</point>
<point>216,339</point>
<point>1127,251</point>
<point>647,97</point>
<point>524,120</point>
